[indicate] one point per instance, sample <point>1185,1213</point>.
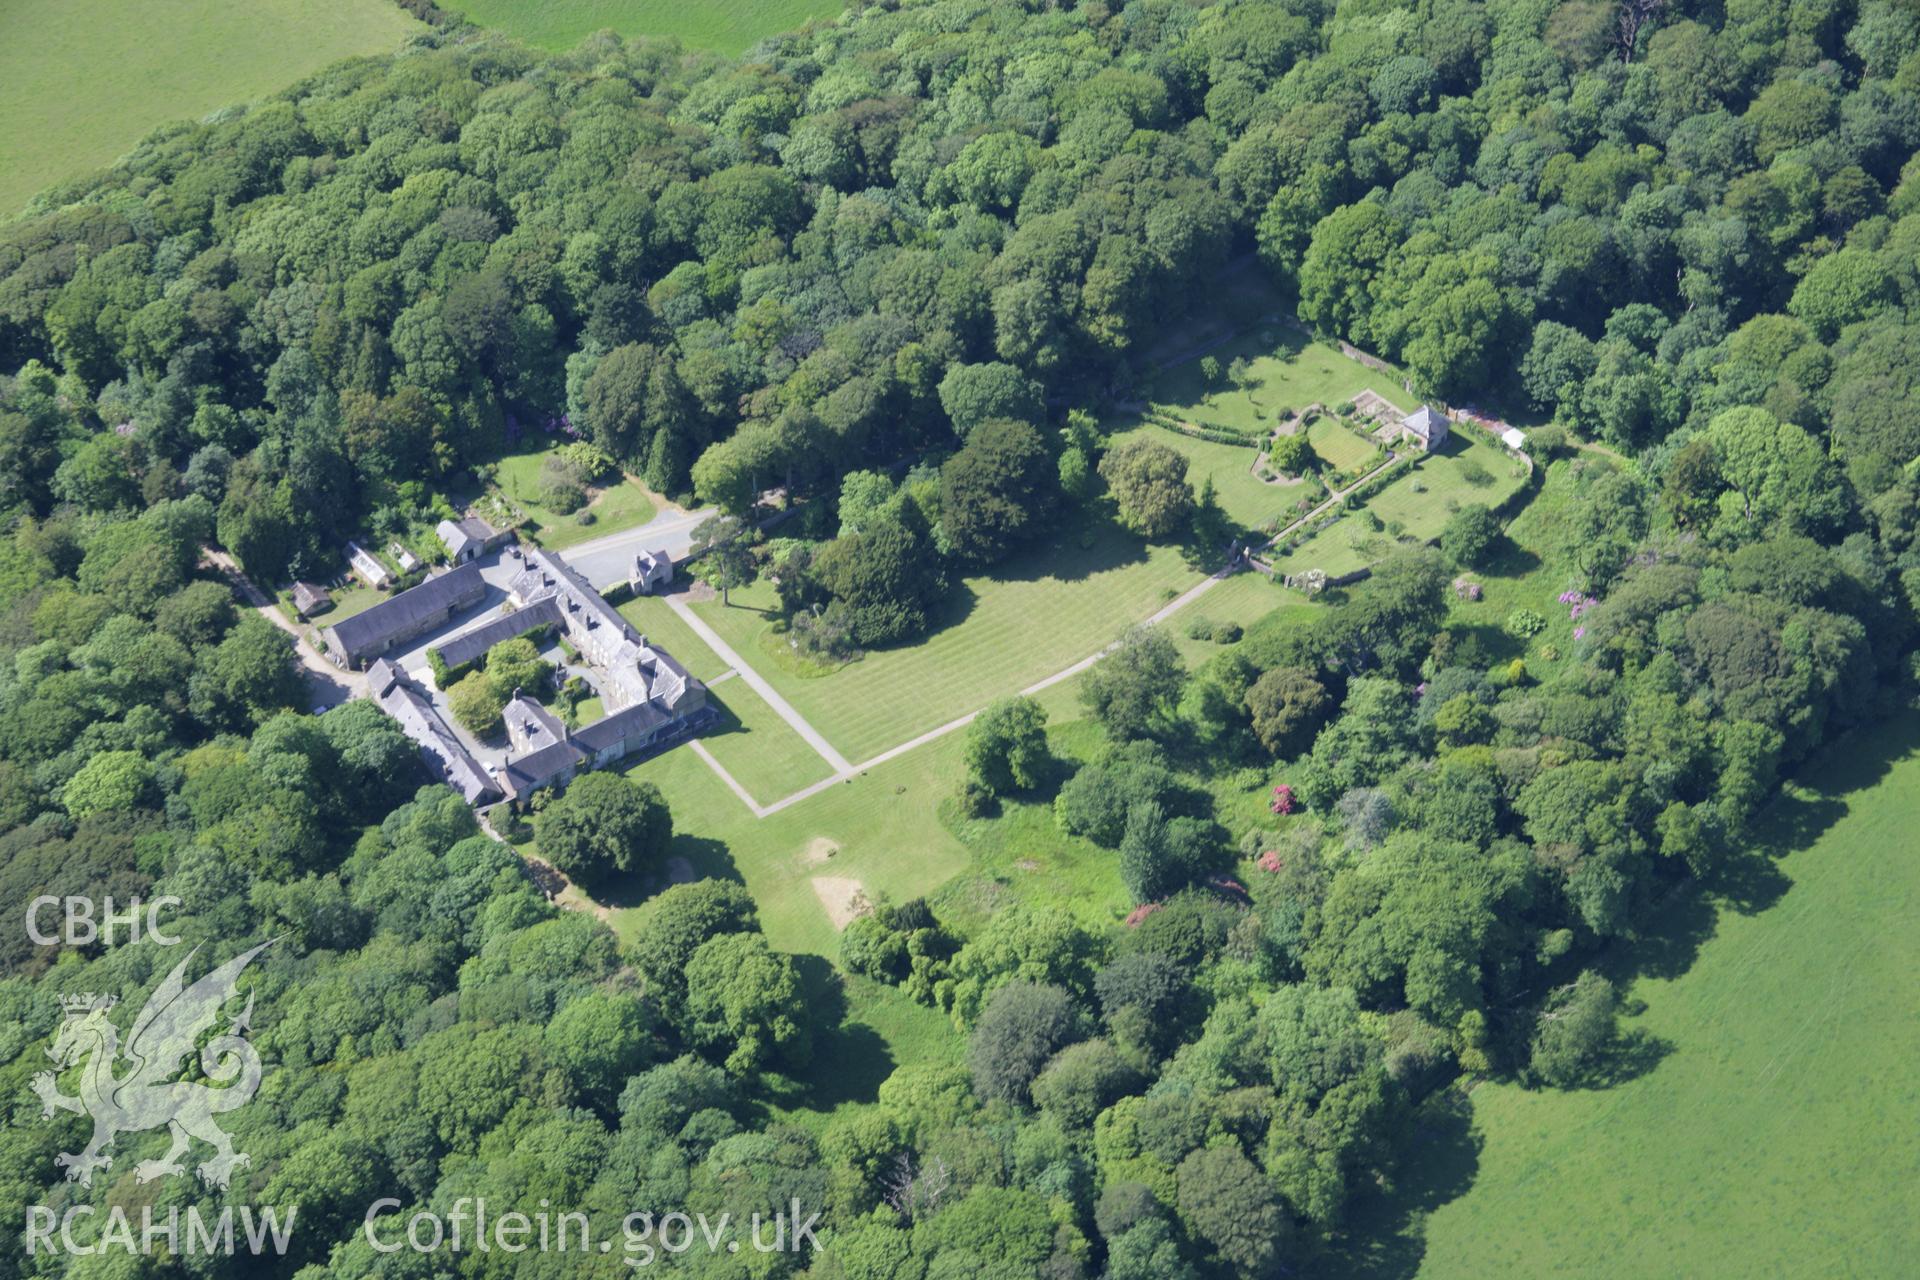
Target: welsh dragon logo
<point>150,1093</point>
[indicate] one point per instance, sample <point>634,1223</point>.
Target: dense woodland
<point>879,264</point>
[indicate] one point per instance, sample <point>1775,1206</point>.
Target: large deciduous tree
<point>1133,691</point>
<point>744,1001</point>
<point>1149,484</point>
<point>997,490</point>
<point>1006,748</point>
<point>605,824</point>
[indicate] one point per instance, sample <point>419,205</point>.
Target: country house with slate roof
<point>440,747</point>
<point>652,701</point>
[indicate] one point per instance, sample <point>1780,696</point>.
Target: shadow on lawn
<point>1508,559</point>
<point>1387,1240</point>
<point>728,724</point>
<point>708,860</point>
<point>850,1059</point>
<point>1068,554</point>
<point>1748,879</point>
<point>1065,554</point>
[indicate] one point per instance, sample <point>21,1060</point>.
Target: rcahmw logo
<point>189,1233</point>
<point>151,1093</point>
<point>139,1087</point>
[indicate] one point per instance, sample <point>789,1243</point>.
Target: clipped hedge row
<point>1211,431</point>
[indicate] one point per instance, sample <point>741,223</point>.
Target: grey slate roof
<point>607,730</point>
<point>535,770</point>
<point>466,532</point>
<point>530,725</point>
<point>419,721</point>
<point>407,612</point>
<point>471,646</point>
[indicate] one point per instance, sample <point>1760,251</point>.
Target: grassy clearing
<point>1040,612</point>
<point>1774,1137</point>
<point>1249,500</point>
<point>1337,445</point>
<point>79,86</point>
<point>1244,598</point>
<point>760,750</point>
<point>1469,470</point>
<point>1285,371</point>
<point>1022,854</point>
<point>619,504</point>
<point>880,1030</point>
<point>727,26</point>
<point>881,824</point>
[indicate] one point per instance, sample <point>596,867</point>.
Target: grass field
<point>882,827</point>
<point>1285,371</point>
<point>728,26</point>
<point>1337,445</point>
<point>616,505</point>
<point>762,752</point>
<point>81,84</point>
<point>1249,500</point>
<point>1468,470</point>
<point>1037,614</point>
<point>1775,1135</point>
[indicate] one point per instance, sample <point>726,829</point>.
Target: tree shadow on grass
<point>1666,949</point>
<point>1484,644</point>
<point>850,1059</point>
<point>1508,559</point>
<point>1074,550</point>
<point>1071,553</point>
<point>1631,1054</point>
<point>1386,1239</point>
<point>708,859</point>
<point>1748,879</point>
<point>704,859</point>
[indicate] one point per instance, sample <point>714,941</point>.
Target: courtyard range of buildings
<point>651,701</point>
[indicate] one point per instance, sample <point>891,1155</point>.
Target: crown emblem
<point>85,1002</point>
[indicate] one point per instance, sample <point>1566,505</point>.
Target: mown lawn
<point>762,752</point>
<point>727,26</point>
<point>617,504</point>
<point>1249,500</point>
<point>81,84</point>
<point>1413,508</point>
<point>1286,371</point>
<point>882,827</point>
<point>1773,1133</point>
<point>1336,444</point>
<point>1040,612</point>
